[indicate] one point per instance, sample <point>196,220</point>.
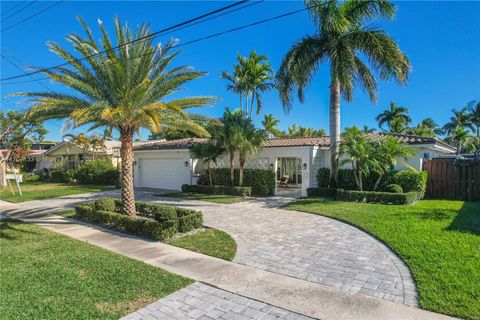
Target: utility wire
<point>19,10</point>
<point>13,7</point>
<point>32,16</point>
<point>133,41</point>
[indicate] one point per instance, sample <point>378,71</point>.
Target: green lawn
<point>44,190</point>
<point>211,242</point>
<point>216,198</point>
<point>45,275</point>
<point>439,240</point>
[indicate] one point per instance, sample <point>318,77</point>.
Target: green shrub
<point>412,181</point>
<point>105,204</point>
<point>190,221</point>
<point>321,191</point>
<point>323,177</point>
<point>393,188</point>
<point>100,171</point>
<point>262,182</point>
<point>61,175</point>
<point>376,197</point>
<point>156,211</point>
<point>31,177</point>
<point>233,191</point>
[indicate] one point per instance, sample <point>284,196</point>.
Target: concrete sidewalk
<point>307,298</point>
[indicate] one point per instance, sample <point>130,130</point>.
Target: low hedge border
<point>376,197</point>
<point>154,221</point>
<point>230,190</point>
<point>322,191</point>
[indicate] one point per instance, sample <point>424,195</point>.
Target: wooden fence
<point>453,179</point>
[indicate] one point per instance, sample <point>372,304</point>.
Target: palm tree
<point>474,108</point>
<point>396,118</point>
<point>342,39</point>
<point>270,124</point>
<point>250,143</point>
<point>208,152</point>
<point>124,89</point>
<point>237,81</point>
<point>90,145</point>
<point>367,129</point>
<point>387,152</point>
<point>358,150</point>
<point>460,119</point>
<point>461,139</point>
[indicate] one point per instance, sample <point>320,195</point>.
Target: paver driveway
<point>309,247</point>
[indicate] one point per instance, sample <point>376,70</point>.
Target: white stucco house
<point>169,164</point>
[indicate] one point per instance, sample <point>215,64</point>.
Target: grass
<point>211,242</point>
<point>44,190</point>
<point>438,239</point>
<point>45,275</point>
<point>216,198</point>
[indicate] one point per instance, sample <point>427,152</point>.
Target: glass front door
<point>291,167</point>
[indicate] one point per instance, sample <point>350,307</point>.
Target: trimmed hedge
<point>412,181</point>
<point>100,171</point>
<point>261,181</point>
<point>393,188</point>
<point>321,191</point>
<point>377,197</point>
<point>153,220</point>
<point>233,191</point>
<point>61,175</point>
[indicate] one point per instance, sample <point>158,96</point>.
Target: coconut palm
<point>462,139</point>
<point>343,40</point>
<point>396,118</point>
<point>460,119</point>
<point>237,81</point>
<point>388,150</point>
<point>124,89</point>
<point>367,129</point>
<point>270,124</point>
<point>208,152</point>
<point>250,141</point>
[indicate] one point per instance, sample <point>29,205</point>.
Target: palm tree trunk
<point>246,103</point>
<point>251,106</point>
<point>128,195</point>
<point>334,130</point>
<point>209,168</point>
<point>232,168</point>
<point>375,186</point>
<point>240,175</point>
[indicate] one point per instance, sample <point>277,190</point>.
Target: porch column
<point>274,166</point>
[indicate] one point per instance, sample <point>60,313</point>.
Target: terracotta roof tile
<point>171,144</point>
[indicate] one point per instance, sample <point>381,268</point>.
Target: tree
<point>462,139</point>
<point>124,89</point>
<point>90,145</point>
<point>301,132</point>
<point>250,141</point>
<point>251,77</point>
<point>474,108</point>
<point>460,119</point>
<point>270,124</point>
<point>367,129</point>
<point>426,128</point>
<point>386,153</point>
<point>396,118</point>
<point>208,152</point>
<point>360,151</point>
<point>342,39</point>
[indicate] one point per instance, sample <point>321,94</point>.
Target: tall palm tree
<point>237,81</point>
<point>208,152</point>
<point>396,118</point>
<point>270,124</point>
<point>250,143</point>
<point>123,89</point>
<point>460,119</point>
<point>342,39</point>
<point>474,108</point>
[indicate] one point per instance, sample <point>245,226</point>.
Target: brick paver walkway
<point>309,247</point>
<point>204,302</point>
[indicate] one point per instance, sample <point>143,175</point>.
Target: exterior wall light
<point>186,163</point>
<point>304,166</point>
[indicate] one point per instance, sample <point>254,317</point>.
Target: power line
<point>3,55</point>
<point>32,16</point>
<point>13,7</point>
<point>19,10</point>
<point>133,41</point>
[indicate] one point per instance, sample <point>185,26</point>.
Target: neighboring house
<point>67,154</point>
<point>169,164</point>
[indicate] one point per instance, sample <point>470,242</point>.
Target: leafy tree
<point>345,39</point>
<point>301,132</point>
<point>125,89</point>
<point>90,145</point>
<point>461,119</point>
<point>252,76</point>
<point>462,139</point>
<point>396,118</point>
<point>208,152</point>
<point>270,124</point>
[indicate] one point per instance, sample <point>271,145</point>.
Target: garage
<point>162,173</point>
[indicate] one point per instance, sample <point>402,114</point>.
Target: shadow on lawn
<point>467,219</point>
<point>7,228</point>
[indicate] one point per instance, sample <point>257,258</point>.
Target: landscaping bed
<point>215,198</point>
<point>44,190</point>
<point>438,239</point>
<point>45,275</point>
<point>154,221</point>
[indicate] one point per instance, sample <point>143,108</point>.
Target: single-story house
<point>169,164</point>
<point>67,154</point>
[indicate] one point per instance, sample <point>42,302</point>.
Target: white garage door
<point>163,173</point>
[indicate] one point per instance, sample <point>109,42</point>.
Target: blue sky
<point>441,39</point>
